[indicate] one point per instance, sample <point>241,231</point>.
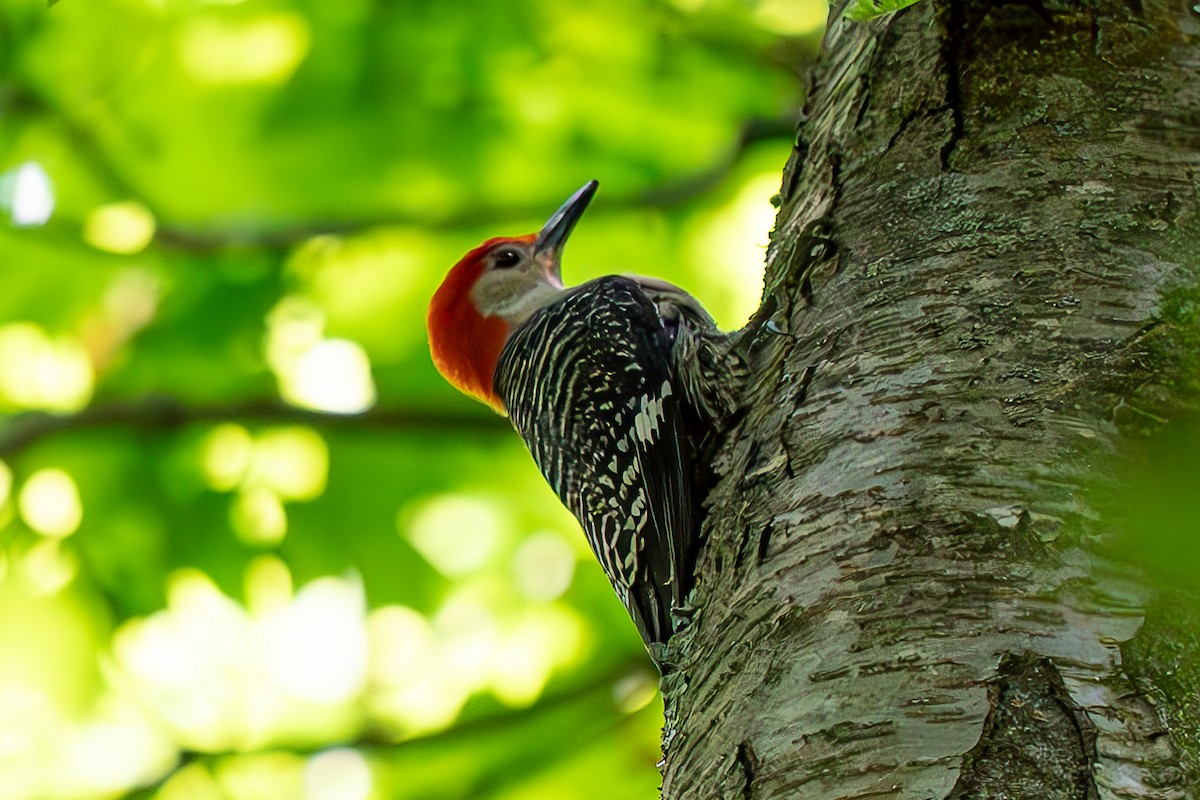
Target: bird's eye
<point>506,257</point>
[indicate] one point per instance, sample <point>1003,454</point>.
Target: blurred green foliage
<point>251,546</point>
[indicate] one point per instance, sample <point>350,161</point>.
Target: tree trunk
<point>990,212</point>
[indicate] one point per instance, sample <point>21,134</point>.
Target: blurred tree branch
<point>196,240</point>
<point>20,431</point>
<point>672,193</point>
<point>596,692</point>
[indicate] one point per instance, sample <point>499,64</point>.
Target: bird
<point>612,384</point>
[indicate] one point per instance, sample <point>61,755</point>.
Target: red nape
<point>465,345</point>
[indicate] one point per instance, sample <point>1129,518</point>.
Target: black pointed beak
<point>554,233</point>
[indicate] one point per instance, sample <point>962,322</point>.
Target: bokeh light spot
<point>332,375</point>
<point>28,718</point>
<point>221,676</point>
<point>267,585</point>
<point>129,304</point>
<point>191,782</point>
<point>261,776</point>
<point>365,282</point>
<point>39,372</point>
<point>191,661</point>
<point>635,691</point>
<point>258,516</point>
<point>338,774</point>
<point>225,456</point>
<point>49,503</point>
<point>124,228</point>
<point>317,646</point>
<point>293,462</point>
<point>402,644</point>
<point>118,748</point>
<point>48,567</point>
<point>520,668</point>
<point>554,637</point>
<point>263,50</point>
<point>468,628</point>
<point>458,534</point>
<point>293,326</point>
<point>131,300</point>
<point>543,566</point>
<point>409,689</point>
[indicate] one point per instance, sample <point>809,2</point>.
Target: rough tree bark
<point>986,226</point>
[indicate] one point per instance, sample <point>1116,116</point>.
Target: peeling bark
<point>901,595</point>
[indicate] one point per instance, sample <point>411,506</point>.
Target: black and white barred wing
<point>587,382</point>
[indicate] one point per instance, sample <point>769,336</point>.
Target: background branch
<point>666,195</point>
<point>213,239</point>
<point>596,692</point>
<point>21,431</point>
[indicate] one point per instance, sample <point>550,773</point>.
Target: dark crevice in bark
<point>952,46</point>
<point>909,119</point>
<point>743,552</point>
<point>806,290</point>
<point>748,763</point>
<point>864,103</point>
<point>806,379</point>
<point>963,22</point>
<point>1137,8</point>
<point>1036,742</point>
<point>791,176</point>
<point>835,177</point>
<point>1039,9</point>
<point>764,544</point>
<point>815,247</point>
<point>1094,26</point>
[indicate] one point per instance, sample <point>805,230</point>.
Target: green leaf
<point>863,10</point>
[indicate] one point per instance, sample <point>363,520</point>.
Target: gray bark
<point>986,226</point>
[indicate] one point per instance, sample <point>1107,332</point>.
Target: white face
<point>516,281</point>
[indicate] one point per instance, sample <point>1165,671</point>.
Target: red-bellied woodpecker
<point>601,381</point>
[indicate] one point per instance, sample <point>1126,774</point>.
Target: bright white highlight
<point>49,503</point>
<point>223,676</point>
<point>339,774</point>
<point>317,647</point>
<point>332,375</point>
<point>37,371</point>
<point>314,372</point>
<point>27,195</point>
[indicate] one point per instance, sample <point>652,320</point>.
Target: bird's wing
<point>588,384</point>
